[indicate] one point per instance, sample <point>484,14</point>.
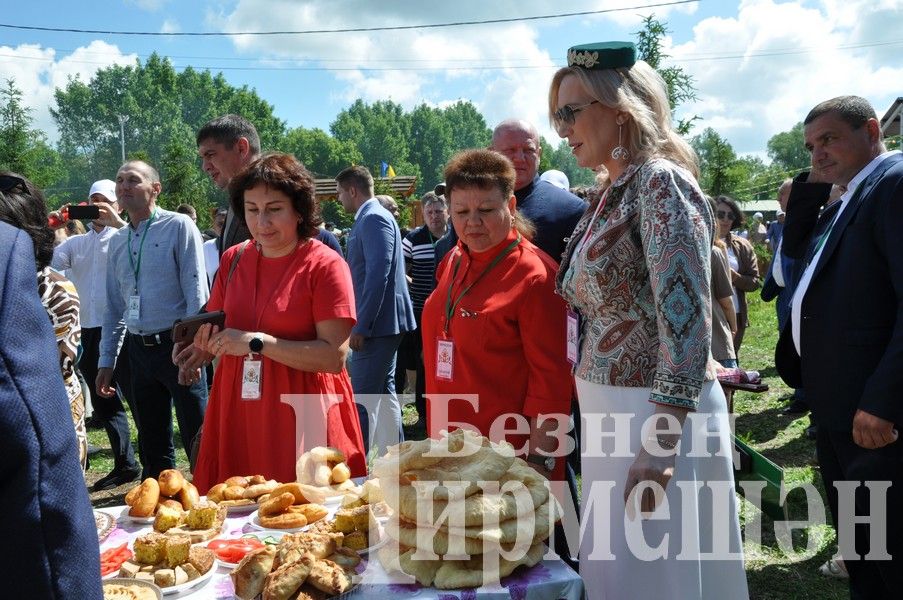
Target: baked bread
<point>249,576</point>
<point>456,574</point>
<point>177,547</point>
<point>329,577</point>
<point>201,558</point>
<point>145,501</point>
<point>171,482</point>
<point>283,582</point>
<point>150,548</point>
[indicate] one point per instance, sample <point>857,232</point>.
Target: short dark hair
<point>485,169</point>
<point>187,209</point>
<point>855,111</point>
<point>282,172</point>
<point>432,198</point>
<point>735,208</point>
<point>227,130</point>
<point>23,206</point>
<point>357,177</point>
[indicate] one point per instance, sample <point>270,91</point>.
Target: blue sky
<point>759,64</point>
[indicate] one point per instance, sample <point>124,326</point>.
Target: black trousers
<point>841,459</point>
<point>110,412</point>
<point>156,389</point>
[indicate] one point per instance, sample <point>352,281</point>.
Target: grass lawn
<point>772,573</point>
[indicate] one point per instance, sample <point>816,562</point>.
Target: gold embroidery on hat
<point>585,59</point>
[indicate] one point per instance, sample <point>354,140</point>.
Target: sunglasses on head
<point>566,115</point>
<point>720,214</point>
<point>9,182</point>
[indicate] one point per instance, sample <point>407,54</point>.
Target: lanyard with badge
<point>252,368</point>
<point>134,306</point>
<point>573,320</point>
<point>445,351</point>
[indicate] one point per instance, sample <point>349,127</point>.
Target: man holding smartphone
<point>85,259</point>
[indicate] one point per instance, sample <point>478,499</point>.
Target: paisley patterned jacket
<point>640,281</point>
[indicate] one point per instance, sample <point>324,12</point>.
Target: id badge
<point>573,337</point>
<point>134,309</point>
<point>250,379</point>
<point>445,359</point>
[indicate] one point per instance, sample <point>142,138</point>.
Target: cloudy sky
<point>759,65</point>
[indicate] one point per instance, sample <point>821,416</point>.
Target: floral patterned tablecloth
<point>548,580</point>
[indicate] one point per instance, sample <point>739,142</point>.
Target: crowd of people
<point>589,335</point>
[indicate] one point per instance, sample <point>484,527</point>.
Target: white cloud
<point>422,56</point>
<point>789,57</point>
<point>38,71</point>
<point>170,26</point>
<point>148,5</point>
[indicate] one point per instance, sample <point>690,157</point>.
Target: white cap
<point>757,215</point>
<point>556,178</point>
<point>105,188</point>
<point>778,213</point>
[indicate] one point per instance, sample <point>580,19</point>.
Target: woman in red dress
<point>280,386</point>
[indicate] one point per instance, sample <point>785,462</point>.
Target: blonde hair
<point>641,93</point>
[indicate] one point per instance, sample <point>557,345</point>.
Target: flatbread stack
<point>466,511</point>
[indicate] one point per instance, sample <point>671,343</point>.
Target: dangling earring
<point>619,152</point>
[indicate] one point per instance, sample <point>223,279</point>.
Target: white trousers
<point>690,547</point>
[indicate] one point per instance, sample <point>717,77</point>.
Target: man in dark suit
<point>384,309</point>
<point>843,342</point>
<point>51,549</point>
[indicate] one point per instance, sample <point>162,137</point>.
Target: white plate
<point>158,593</point>
<point>241,510</point>
<point>273,533</point>
<point>203,579</point>
<point>125,517</point>
<point>255,523</point>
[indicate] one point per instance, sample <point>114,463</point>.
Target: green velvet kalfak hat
<point>603,55</point>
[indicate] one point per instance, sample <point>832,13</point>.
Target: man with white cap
<point>85,259</point>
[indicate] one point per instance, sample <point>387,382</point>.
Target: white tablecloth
<point>548,580</point>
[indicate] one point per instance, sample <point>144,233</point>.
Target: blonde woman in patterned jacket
<point>637,270</point>
<point>22,205</point>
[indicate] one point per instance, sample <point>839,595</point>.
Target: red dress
<point>284,297</point>
<point>509,340</point>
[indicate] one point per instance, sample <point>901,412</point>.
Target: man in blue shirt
<point>155,276</point>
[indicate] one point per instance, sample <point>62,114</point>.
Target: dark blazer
<point>377,272</point>
<point>852,314</point>
<point>51,549</point>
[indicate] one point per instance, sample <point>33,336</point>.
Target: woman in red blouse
<point>494,327</point>
<point>281,386</point>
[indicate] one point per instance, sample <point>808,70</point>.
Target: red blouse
<point>509,342</point>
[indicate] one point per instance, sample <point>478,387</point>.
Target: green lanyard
<point>451,306</point>
<point>136,268</point>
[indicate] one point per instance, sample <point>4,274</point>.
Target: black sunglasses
<point>9,182</point>
<point>724,215</point>
<point>566,115</point>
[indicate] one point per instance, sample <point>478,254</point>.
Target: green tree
<point>381,133</point>
<point>24,149</point>
<point>788,150</point>
<point>680,84</point>
<point>563,159</point>
<point>321,153</point>
<point>164,110</point>
<point>431,143</point>
<point>720,170</point>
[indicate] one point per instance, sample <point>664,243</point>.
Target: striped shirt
<point>420,259</point>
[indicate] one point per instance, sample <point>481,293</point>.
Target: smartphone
<point>78,212</point>
<point>183,330</point>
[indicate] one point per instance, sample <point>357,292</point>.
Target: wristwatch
<point>546,462</point>
<point>256,344</point>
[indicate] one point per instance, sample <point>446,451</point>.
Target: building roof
<point>891,123</point>
<point>402,186</point>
